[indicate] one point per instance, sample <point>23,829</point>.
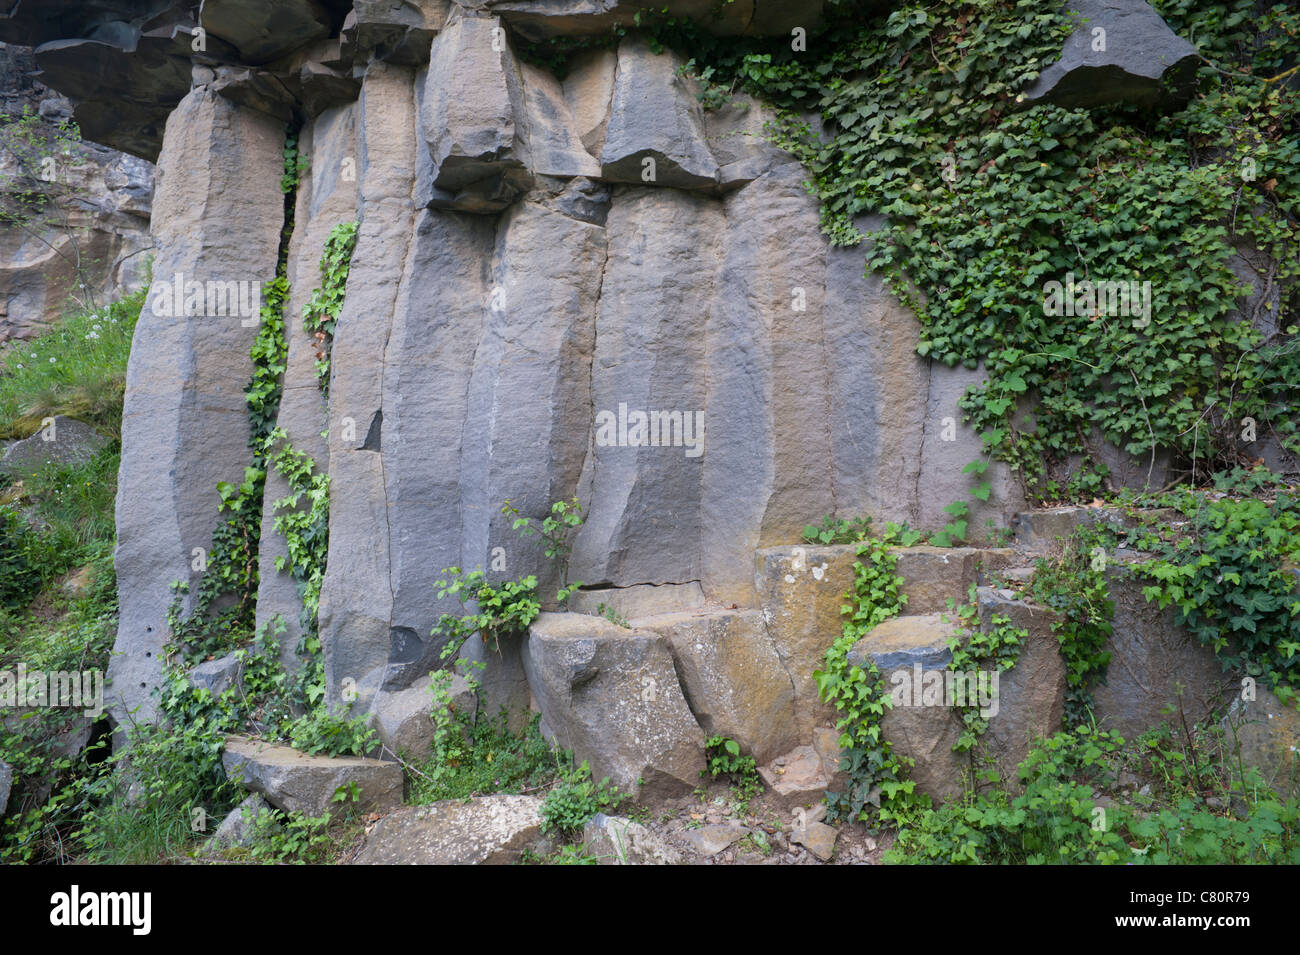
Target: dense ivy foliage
<point>1229,567</point>
<point>1058,816</point>
<point>917,116</point>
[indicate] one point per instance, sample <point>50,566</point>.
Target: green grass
<point>77,369</point>
<point>490,759</point>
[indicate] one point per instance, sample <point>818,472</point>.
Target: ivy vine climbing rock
<point>321,315</point>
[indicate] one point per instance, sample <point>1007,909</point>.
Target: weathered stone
<point>612,697</point>
<point>327,197</point>
<point>398,31</point>
<point>542,19</point>
<point>618,841</point>
<point>356,598</point>
<point>486,830</point>
<point>1152,658</point>
<point>1136,59</point>
<point>1031,695</point>
<point>924,733</point>
<point>1045,529</point>
<point>555,147</point>
<point>639,600</point>
<point>1268,734</point>
<point>263,32</point>
<point>63,442</point>
<point>85,247</point>
<point>927,735</point>
<point>801,591</point>
<point>902,642</point>
<point>655,134</point>
<point>880,386</point>
<point>733,678</point>
<point>648,357</point>
<point>737,138</point>
<point>710,840</point>
<point>798,779</point>
<point>473,121</point>
<point>528,394</point>
<point>503,684</point>
<point>589,90</point>
<point>256,90</point>
<point>295,782</point>
<point>947,446</point>
<point>217,676</point>
<point>156,70</point>
<point>319,87</point>
<point>818,838</point>
<point>770,454</point>
<point>218,214</point>
<point>934,575</point>
<point>238,827</point>
<point>403,719</point>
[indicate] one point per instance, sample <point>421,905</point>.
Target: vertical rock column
<point>217,219</point>
<point>357,598</point>
<point>327,196</point>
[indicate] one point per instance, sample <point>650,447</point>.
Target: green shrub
<point>575,799</point>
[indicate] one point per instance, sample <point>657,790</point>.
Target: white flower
<point>20,366</point>
<point>51,359</point>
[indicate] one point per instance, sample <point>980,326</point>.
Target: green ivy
<point>1230,571</point>
<point>974,649</point>
<point>210,629</point>
<point>321,314</point>
<point>986,198</point>
<point>876,775</point>
<point>1073,584</point>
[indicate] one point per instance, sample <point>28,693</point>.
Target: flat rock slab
<point>486,830</point>
<point>295,782</point>
<point>710,840</point>
<point>818,838</point>
<point>901,642</point>
<point>1120,52</point>
<point>799,778</point>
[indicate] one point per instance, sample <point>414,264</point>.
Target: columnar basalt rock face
<point>217,218</point>
<point>356,607</point>
<point>588,286</point>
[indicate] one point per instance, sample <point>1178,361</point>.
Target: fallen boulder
<point>611,695</point>
<point>295,782</point>
<point>486,830</point>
